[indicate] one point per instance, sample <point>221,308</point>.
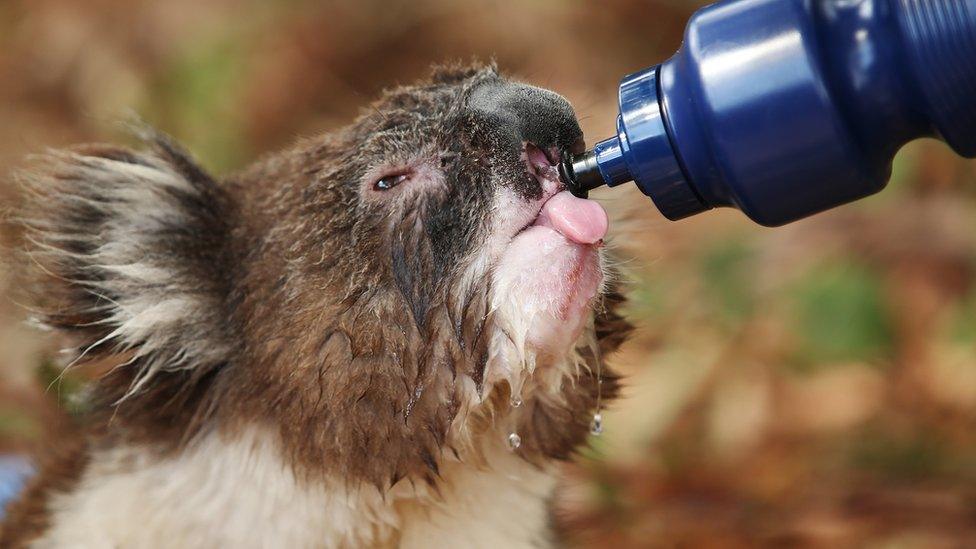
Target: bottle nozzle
<point>581,173</point>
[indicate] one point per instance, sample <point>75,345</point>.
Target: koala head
<point>406,290</point>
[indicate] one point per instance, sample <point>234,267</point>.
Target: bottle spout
<point>581,173</point>
<point>604,164</point>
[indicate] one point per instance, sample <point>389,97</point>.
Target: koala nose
<point>529,114</point>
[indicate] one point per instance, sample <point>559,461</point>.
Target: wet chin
<point>548,285</point>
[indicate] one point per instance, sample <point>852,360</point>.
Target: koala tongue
<point>579,220</point>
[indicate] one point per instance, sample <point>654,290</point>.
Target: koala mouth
<point>551,271</point>
<point>578,220</point>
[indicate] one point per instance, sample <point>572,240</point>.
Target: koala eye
<point>388,182</point>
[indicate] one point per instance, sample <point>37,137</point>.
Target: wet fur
<point>348,332</point>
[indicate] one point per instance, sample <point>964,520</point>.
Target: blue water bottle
<point>785,108</point>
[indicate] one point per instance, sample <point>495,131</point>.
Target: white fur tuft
<point>112,228</point>
<point>239,493</point>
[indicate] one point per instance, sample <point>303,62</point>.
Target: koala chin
<point>332,347</point>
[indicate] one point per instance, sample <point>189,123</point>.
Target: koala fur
<point>301,360</point>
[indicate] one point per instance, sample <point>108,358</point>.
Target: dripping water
<point>515,401</point>
<point>514,440</point>
<point>596,424</point>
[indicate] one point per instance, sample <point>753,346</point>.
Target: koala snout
<point>524,113</point>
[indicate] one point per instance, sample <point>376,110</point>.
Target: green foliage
<point>17,423</point>
<point>199,93</point>
<point>648,298</point>
<point>727,273</point>
<point>64,386</point>
<point>904,171</point>
<point>840,315</point>
<point>904,456</point>
<point>962,320</point>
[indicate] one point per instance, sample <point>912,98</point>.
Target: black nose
<point>524,113</point>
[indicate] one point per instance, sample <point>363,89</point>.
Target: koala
<point>388,335</point>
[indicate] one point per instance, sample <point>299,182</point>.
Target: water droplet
<point>596,426</point>
<point>516,401</point>
<point>514,441</point>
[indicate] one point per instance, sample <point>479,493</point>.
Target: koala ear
<point>131,250</point>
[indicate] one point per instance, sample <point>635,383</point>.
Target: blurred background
<point>813,385</point>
